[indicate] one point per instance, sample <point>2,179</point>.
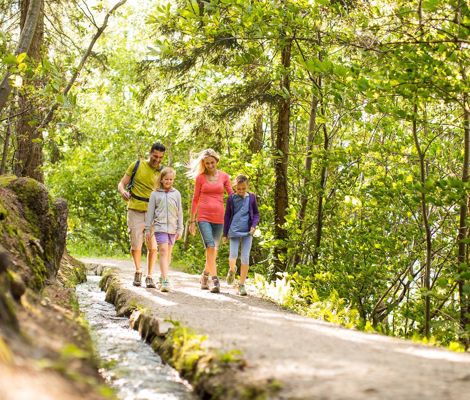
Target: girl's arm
<point>150,213</point>
<point>228,214</point>
<point>255,212</point>
<point>180,225</point>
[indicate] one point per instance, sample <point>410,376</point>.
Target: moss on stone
<point>6,179</point>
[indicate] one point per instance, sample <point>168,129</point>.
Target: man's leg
<point>137,258</point>
<point>135,221</point>
<point>152,254</point>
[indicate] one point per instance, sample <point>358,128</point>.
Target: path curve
<point>312,359</point>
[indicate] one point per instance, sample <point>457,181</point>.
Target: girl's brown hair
<point>240,179</point>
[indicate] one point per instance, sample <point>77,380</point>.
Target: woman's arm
<point>194,205</point>
<point>227,184</point>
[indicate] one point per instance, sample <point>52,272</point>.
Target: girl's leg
<point>234,245</point>
<point>170,252</point>
<point>164,259</point>
<point>245,257</point>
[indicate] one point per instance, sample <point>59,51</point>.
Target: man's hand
<point>125,195</point>
<point>224,239</point>
<point>148,236</point>
<point>252,230</point>
<point>178,236</point>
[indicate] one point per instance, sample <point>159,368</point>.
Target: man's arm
<point>122,187</point>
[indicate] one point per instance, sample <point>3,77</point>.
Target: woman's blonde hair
<point>164,172</point>
<point>196,166</point>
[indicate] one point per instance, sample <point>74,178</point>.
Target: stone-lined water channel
<point>130,365</point>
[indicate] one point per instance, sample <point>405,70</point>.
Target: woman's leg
<point>211,257</point>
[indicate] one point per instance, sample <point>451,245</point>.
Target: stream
<point>130,365</point>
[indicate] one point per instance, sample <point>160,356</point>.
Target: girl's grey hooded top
<point>165,212</point>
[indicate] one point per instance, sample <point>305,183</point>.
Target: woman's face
<point>241,189</point>
<point>210,164</point>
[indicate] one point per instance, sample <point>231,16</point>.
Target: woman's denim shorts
<point>211,233</point>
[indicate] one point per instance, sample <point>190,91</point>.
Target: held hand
<point>192,229</point>
<point>224,239</point>
<point>252,230</point>
<point>148,236</point>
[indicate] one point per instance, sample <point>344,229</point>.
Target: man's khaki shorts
<point>136,227</point>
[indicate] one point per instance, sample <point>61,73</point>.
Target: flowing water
<point>130,365</point>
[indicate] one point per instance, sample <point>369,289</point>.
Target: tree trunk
<point>281,200</point>
<point>255,141</point>
<point>321,195</point>
<point>6,146</point>
<point>29,142</point>
<point>462,257</point>
<point>312,127</point>
<point>32,15</point>
<point>427,229</point>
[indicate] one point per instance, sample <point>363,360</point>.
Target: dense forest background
<point>351,117</point>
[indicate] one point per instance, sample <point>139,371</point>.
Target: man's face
<point>156,158</point>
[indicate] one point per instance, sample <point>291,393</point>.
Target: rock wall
<point>33,230</point>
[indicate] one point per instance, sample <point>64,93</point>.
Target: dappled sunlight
<point>157,298</point>
<point>206,294</point>
<point>434,354</point>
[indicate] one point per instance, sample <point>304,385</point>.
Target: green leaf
<point>9,59</point>
<point>20,57</point>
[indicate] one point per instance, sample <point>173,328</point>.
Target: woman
<point>208,210</point>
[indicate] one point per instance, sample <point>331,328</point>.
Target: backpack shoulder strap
<point>134,171</point>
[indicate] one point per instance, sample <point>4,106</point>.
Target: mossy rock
<point>47,219</point>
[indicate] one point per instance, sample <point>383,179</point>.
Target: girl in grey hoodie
<point>164,218</point>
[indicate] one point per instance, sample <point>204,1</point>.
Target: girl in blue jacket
<point>241,218</point>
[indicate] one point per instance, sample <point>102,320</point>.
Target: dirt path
<point>312,359</point>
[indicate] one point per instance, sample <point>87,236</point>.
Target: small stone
<point>4,261</point>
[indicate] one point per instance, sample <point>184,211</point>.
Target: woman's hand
<point>192,228</point>
<point>178,236</point>
<point>148,236</point>
<point>252,230</point>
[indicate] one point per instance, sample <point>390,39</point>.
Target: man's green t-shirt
<point>146,180</point>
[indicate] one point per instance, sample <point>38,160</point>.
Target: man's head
<point>157,152</point>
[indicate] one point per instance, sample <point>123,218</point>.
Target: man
<point>145,181</point>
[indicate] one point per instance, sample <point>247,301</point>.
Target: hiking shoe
<point>216,288</point>
<point>204,281</point>
<point>137,279</point>
<point>149,282</point>
<point>165,285</point>
<point>242,290</point>
<point>230,277</point>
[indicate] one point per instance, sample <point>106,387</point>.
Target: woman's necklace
<point>213,178</point>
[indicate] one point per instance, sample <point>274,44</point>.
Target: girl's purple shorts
<point>163,237</point>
